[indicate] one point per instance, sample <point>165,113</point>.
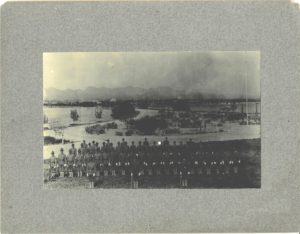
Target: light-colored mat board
<point>29,29</point>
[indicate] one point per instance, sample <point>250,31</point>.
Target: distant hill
<point>93,93</point>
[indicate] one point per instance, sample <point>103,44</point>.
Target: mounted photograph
<point>151,120</point>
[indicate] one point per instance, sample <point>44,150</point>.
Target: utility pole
<point>62,136</point>
<point>246,84</point>
<point>256,109</point>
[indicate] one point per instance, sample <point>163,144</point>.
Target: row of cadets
<point>164,164</point>
<point>115,159</point>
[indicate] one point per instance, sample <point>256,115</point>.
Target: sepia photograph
<point>150,117</point>
<point>151,120</point>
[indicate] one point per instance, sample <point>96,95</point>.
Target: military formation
<point>144,159</point>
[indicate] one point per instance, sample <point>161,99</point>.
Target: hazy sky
<point>221,73</point>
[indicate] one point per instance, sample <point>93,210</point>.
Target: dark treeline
<point>179,104</point>
<point>67,104</point>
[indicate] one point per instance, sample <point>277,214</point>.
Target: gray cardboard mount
<point>29,29</point>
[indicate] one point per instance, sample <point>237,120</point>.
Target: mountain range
<point>103,93</point>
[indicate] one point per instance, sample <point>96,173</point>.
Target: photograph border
<point>29,29</point>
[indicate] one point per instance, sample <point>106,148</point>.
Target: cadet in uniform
<point>61,162</point>
<point>83,150</point>
<point>166,142</point>
<point>159,162</point>
<point>132,148</point>
<point>166,162</point>
<point>84,144</point>
<point>93,149</point>
<point>146,143</point>
<point>70,162</point>
<point>200,167</point>
<point>149,159</point>
<point>122,159</point>
<point>123,144</point>
<point>195,167</point>
<point>139,148</point>
<point>79,162</point>
<point>207,162</point>
<point>105,159</point>
<point>237,162</point>
<point>87,155</point>
<point>135,173</point>
<point>53,165</point>
<point>222,167</point>
<point>113,159</point>
<point>73,150</point>
<point>91,172</point>
<point>97,160</point>
<point>177,151</point>
<point>214,167</point>
<point>184,174</point>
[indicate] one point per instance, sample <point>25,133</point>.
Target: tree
<point>74,115</point>
<point>181,105</point>
<point>231,116</point>
<point>143,104</point>
<point>148,125</point>
<point>233,106</point>
<point>123,110</point>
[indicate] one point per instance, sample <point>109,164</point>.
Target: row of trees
<point>125,111</point>
<point>147,125</point>
<point>121,111</point>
